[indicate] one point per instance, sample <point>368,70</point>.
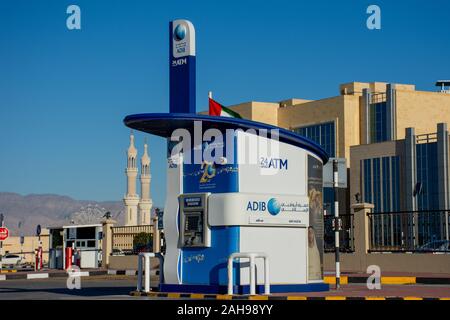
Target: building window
<point>323,134</point>
<point>367,180</point>
<point>378,122</point>
<point>395,173</point>
<point>386,182</point>
<point>429,228</point>
<point>427,176</point>
<point>381,183</point>
<point>376,184</point>
<point>381,187</point>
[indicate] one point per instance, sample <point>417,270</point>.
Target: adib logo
<point>272,206</point>
<point>179,32</point>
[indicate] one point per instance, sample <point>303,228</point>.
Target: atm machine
<point>194,231</point>
<point>212,210</point>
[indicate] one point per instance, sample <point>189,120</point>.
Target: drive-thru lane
<point>102,287</point>
<point>119,287</point>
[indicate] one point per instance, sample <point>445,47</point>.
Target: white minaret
<point>131,199</point>
<point>145,204</point>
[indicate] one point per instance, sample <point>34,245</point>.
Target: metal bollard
<point>139,283</point>
<point>144,263</point>
<point>147,273</point>
<point>251,256</point>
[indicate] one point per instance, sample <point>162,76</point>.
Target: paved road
<point>361,290</point>
<point>56,288</point>
<point>119,287</point>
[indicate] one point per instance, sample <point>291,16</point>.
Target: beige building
<point>390,135</point>
<point>349,112</point>
<point>395,142</point>
<point>351,119</point>
<point>26,250</point>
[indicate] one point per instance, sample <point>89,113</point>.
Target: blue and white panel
<point>286,248</point>
<point>269,166</point>
<point>182,67</point>
<point>170,218</point>
<point>208,266</point>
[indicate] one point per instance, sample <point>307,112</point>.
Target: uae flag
<point>216,109</point>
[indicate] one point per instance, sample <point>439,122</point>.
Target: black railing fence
<point>346,236</point>
<point>409,231</point>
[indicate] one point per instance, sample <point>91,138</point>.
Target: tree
<point>143,241</point>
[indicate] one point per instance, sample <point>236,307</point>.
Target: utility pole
<point>2,224</point>
<point>22,239</point>
<point>336,223</point>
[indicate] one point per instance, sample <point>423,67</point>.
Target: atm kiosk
<point>212,210</point>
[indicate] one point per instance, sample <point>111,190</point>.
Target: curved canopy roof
<point>163,124</point>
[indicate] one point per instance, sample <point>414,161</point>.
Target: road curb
<point>327,279</point>
<point>7,271</point>
<point>130,272</point>
<point>390,280</point>
<point>198,296</point>
<point>44,275</point>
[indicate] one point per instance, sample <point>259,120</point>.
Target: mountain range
<point>23,213</point>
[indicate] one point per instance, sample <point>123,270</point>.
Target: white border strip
<point>37,275</point>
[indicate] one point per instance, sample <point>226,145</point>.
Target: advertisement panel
<point>210,177</point>
<point>315,229</point>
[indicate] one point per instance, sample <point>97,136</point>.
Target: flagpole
<point>210,94</point>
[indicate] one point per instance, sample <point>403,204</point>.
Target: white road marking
<point>37,275</point>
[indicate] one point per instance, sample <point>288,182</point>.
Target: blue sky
<point>64,94</point>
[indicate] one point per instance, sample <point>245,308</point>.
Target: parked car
<point>138,248</point>
<point>117,252</point>
<point>11,259</point>
<point>436,246</point>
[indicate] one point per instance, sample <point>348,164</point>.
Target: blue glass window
<point>386,182</point>
<point>428,197</point>
<point>427,175</point>
<point>381,180</point>
<point>395,164</point>
<point>367,180</point>
<point>323,134</point>
<point>378,122</point>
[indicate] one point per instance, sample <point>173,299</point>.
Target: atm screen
<point>194,222</point>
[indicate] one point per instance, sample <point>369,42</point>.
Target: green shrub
<point>142,240</point>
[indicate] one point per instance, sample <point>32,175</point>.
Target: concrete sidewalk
<point>391,278</point>
<point>347,292</point>
<point>329,278</point>
<point>54,273</point>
